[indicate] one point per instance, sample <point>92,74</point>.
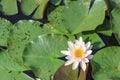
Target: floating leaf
<point>55,20</point>
<point>11,9</point>
<point>4,31</point>
<point>45,29</point>
<point>42,55</point>
<point>12,75</point>
<point>106,64</point>
<point>77,17</point>
<point>28,7</point>
<point>116,23</point>
<point>21,34</point>
<point>7,63</point>
<point>41,9</point>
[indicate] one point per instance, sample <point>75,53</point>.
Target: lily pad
<point>11,9</point>
<point>4,31</point>
<point>55,20</point>
<point>7,63</point>
<point>12,75</point>
<point>42,55</point>
<point>116,23</point>
<point>106,64</point>
<point>40,12</point>
<point>29,6</point>
<point>77,17</point>
<point>21,34</point>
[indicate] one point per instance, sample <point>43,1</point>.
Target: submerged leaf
<point>66,73</point>
<point>105,28</point>
<point>55,2</point>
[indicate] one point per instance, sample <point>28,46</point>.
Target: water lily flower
<point>78,53</point>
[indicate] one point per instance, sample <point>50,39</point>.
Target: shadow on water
<point>0,7</point>
<point>20,15</point>
<point>30,73</point>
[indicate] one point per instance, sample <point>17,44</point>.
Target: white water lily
<point>78,53</point>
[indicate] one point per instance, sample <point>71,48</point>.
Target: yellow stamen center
<point>78,52</point>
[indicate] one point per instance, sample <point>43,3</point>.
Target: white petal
<point>90,56</point>
<point>69,62</point>
<point>80,40</point>
<point>75,65</point>
<point>83,46</point>
<point>65,52</point>
<point>69,57</point>
<point>70,49</point>
<point>88,53</point>
<point>70,44</point>
<point>83,66</point>
<point>88,45</point>
<point>77,43</point>
<point>85,60</point>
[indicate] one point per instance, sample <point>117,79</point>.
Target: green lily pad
<point>55,20</point>
<point>12,75</point>
<point>77,17</point>
<point>28,6</point>
<point>21,34</point>
<point>106,64</point>
<point>7,63</point>
<point>116,23</point>
<point>40,12</point>
<point>9,7</point>
<point>4,31</point>
<point>42,55</point>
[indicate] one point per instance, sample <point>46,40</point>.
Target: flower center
<point>78,52</point>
